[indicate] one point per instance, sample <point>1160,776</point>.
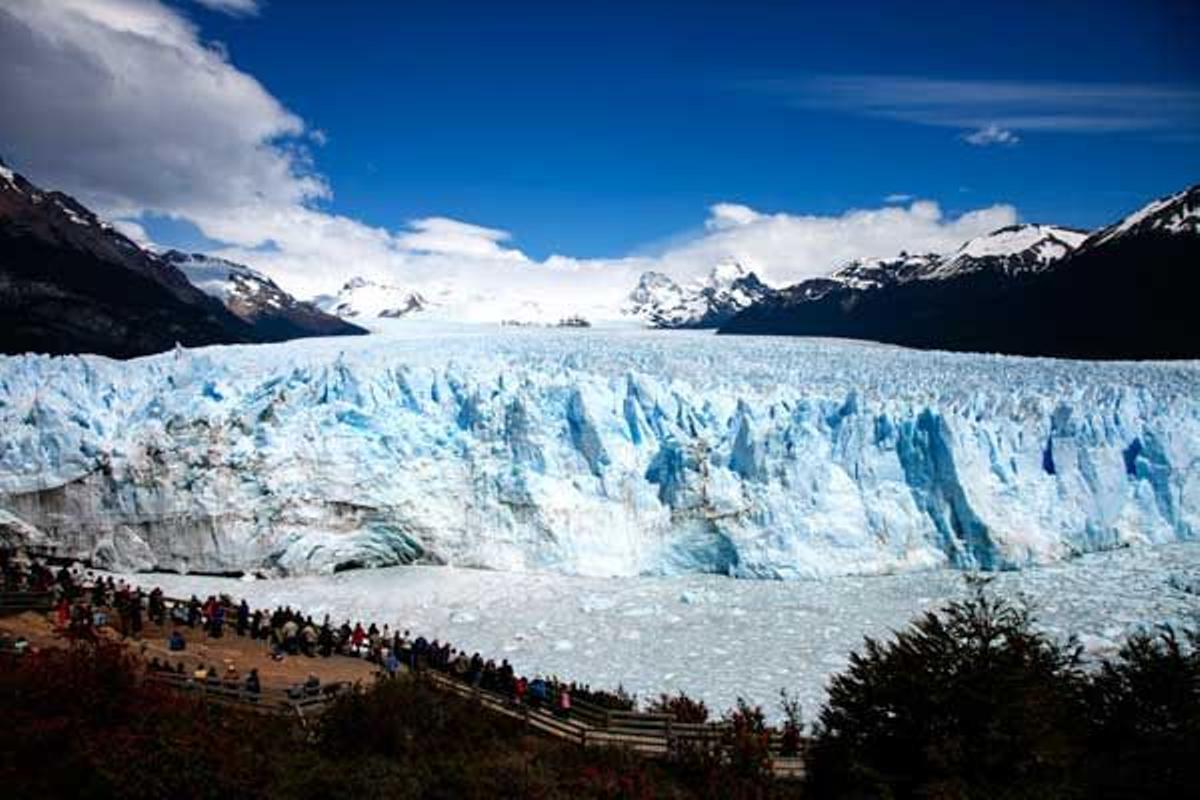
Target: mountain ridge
<point>1118,294</point>
<point>72,283</point>
<point>256,299</point>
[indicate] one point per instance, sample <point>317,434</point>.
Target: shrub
<point>747,743</point>
<point>968,702</point>
<point>684,708</point>
<point>78,722</point>
<point>1144,715</point>
<point>793,724</point>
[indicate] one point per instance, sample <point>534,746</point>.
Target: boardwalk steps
<point>655,735</point>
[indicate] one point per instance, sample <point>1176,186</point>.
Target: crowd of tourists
<point>85,601</point>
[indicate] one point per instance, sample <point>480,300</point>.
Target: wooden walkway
<point>649,734</point>
<point>303,704</point>
<point>654,735</point>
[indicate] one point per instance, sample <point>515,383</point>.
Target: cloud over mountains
<point>122,103</point>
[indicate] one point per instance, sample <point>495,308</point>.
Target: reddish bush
<point>684,708</point>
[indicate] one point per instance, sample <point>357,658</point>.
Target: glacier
<point>610,451</point>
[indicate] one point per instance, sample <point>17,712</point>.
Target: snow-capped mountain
<point>1178,213</point>
<point>1126,291</point>
<point>361,298</point>
<point>706,303</point>
<point>225,280</point>
<point>637,452</point>
<point>1009,251</point>
<point>71,283</point>
<point>257,299</point>
<point>1012,250</point>
<point>873,273</point>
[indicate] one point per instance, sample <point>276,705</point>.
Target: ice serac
<point>634,452</point>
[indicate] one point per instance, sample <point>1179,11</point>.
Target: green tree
<point>967,702</point>
<point>1144,714</point>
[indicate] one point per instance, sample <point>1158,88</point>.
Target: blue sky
<point>599,128</point>
<point>568,147</point>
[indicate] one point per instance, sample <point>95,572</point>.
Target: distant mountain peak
<point>705,303</point>
<point>1011,250</point>
<point>363,298</point>
<point>870,273</point>
<point>727,271</point>
<point>213,275</point>
<point>1177,213</point>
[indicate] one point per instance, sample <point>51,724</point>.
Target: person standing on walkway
<point>135,614</point>
<point>243,618</point>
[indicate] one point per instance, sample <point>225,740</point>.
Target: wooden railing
<point>18,602</point>
<point>657,735</point>
<point>588,725</point>
<point>304,703</point>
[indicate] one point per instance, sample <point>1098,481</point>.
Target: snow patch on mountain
<point>218,277</point>
<point>1016,239</point>
<point>1011,250</point>
<point>1008,251</point>
<point>256,299</point>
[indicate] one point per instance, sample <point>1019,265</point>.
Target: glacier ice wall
<point>596,452</point>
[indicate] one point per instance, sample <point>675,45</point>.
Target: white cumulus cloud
<point>121,103</point>
<point>785,248</point>
<point>451,237</point>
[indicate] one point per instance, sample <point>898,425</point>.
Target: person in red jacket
<point>62,614</point>
<point>564,702</point>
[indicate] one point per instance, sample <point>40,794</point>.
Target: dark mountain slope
<point>258,300</point>
<point>70,283</point>
<point>1127,292</point>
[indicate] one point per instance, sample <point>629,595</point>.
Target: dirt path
<point>244,653</point>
